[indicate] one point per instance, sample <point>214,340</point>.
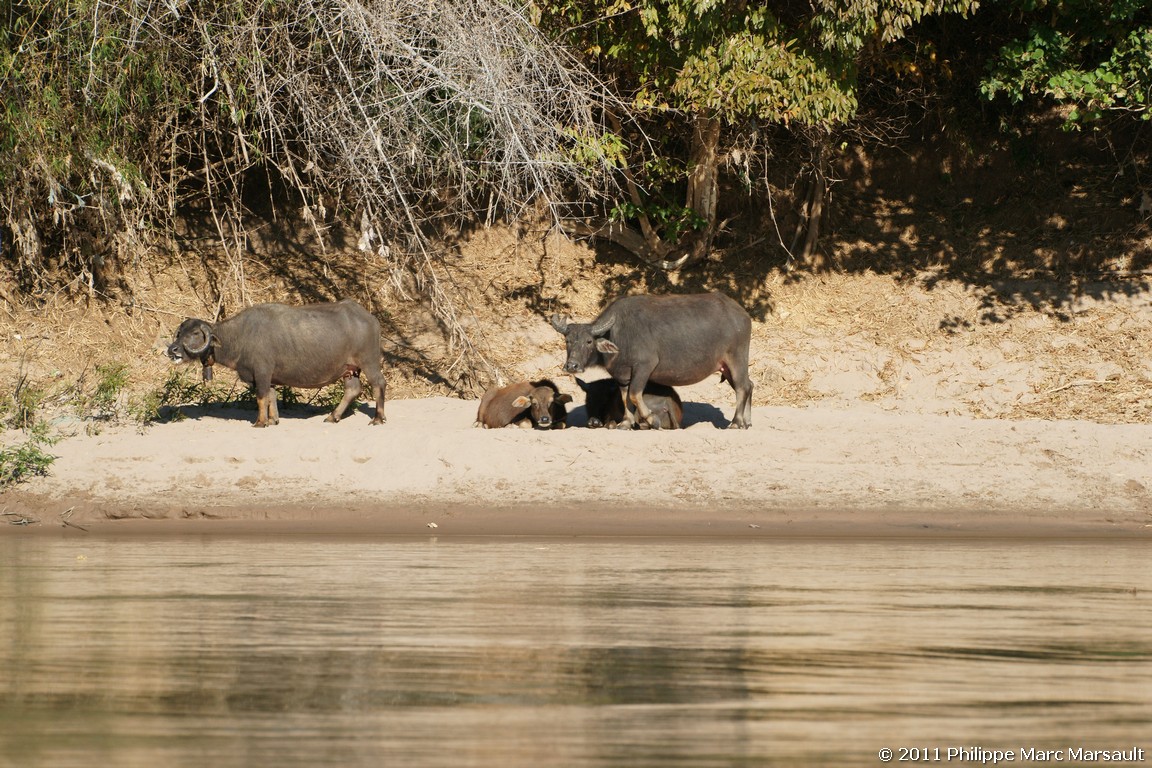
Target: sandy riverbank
<point>800,471</point>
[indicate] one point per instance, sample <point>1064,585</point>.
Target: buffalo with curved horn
<point>277,345</point>
<point>670,340</point>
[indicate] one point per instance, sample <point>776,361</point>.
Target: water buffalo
<point>605,407</point>
<point>670,340</point>
<point>273,344</point>
<point>538,403</point>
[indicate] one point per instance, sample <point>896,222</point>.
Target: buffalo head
<point>586,342</point>
<point>546,406</point>
<point>194,341</point>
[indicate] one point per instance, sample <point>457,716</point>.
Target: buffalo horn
<point>602,327</point>
<point>560,323</point>
<point>206,331</point>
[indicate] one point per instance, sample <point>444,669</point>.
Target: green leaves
<point>768,79</point>
<point>795,65</point>
<point>740,59</point>
<point>27,459</point>
<point>1093,57</point>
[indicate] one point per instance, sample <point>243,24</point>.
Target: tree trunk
<point>813,211</point>
<point>622,235</point>
<point>703,185</point>
<point>702,198</point>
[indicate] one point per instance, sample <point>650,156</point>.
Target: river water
<point>216,651</point>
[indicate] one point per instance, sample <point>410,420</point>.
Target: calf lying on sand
<point>538,404</point>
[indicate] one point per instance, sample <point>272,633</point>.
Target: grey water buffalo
<point>670,340</point>
<point>605,407</point>
<point>538,403</point>
<point>309,346</point>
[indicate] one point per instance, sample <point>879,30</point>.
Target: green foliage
<point>112,379</point>
<point>730,61</point>
<point>589,151</point>
<point>1093,57</point>
<point>179,388</point>
<point>28,459</point>
<point>673,220</point>
<point>734,59</point>
<point>20,410</point>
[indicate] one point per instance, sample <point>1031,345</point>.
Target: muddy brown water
<point>309,651</point>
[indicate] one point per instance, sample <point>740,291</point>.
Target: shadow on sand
<point>242,411</point>
<point>694,413</point>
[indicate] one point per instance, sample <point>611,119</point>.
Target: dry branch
<point>403,118</point>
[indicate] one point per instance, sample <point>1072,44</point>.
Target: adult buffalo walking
<point>671,340</point>
<point>274,344</point>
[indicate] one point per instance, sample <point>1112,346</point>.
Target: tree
<point>1095,58</point>
<point>397,118</point>
<point>708,64</point>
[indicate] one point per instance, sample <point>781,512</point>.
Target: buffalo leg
<point>376,380</point>
<point>261,410</point>
<point>352,389</point>
<point>266,412</point>
<point>742,384</point>
<point>644,417</point>
<point>627,419</point>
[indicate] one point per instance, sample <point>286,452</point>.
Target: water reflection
<point>304,652</point>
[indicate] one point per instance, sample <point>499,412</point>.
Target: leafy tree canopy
<point>1093,57</point>
<point>780,62</point>
<point>721,62</point>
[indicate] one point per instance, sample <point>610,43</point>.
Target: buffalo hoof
<point>595,423</point>
<point>739,425</point>
<point>332,419</point>
<point>378,420</point>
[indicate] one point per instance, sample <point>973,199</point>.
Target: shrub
<point>28,459</point>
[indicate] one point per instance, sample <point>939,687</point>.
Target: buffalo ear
<point>522,402</point>
<point>560,322</point>
<point>606,347</point>
<point>563,398</point>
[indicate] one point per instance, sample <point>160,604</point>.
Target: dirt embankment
<point>882,407</point>
<point>931,397</point>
